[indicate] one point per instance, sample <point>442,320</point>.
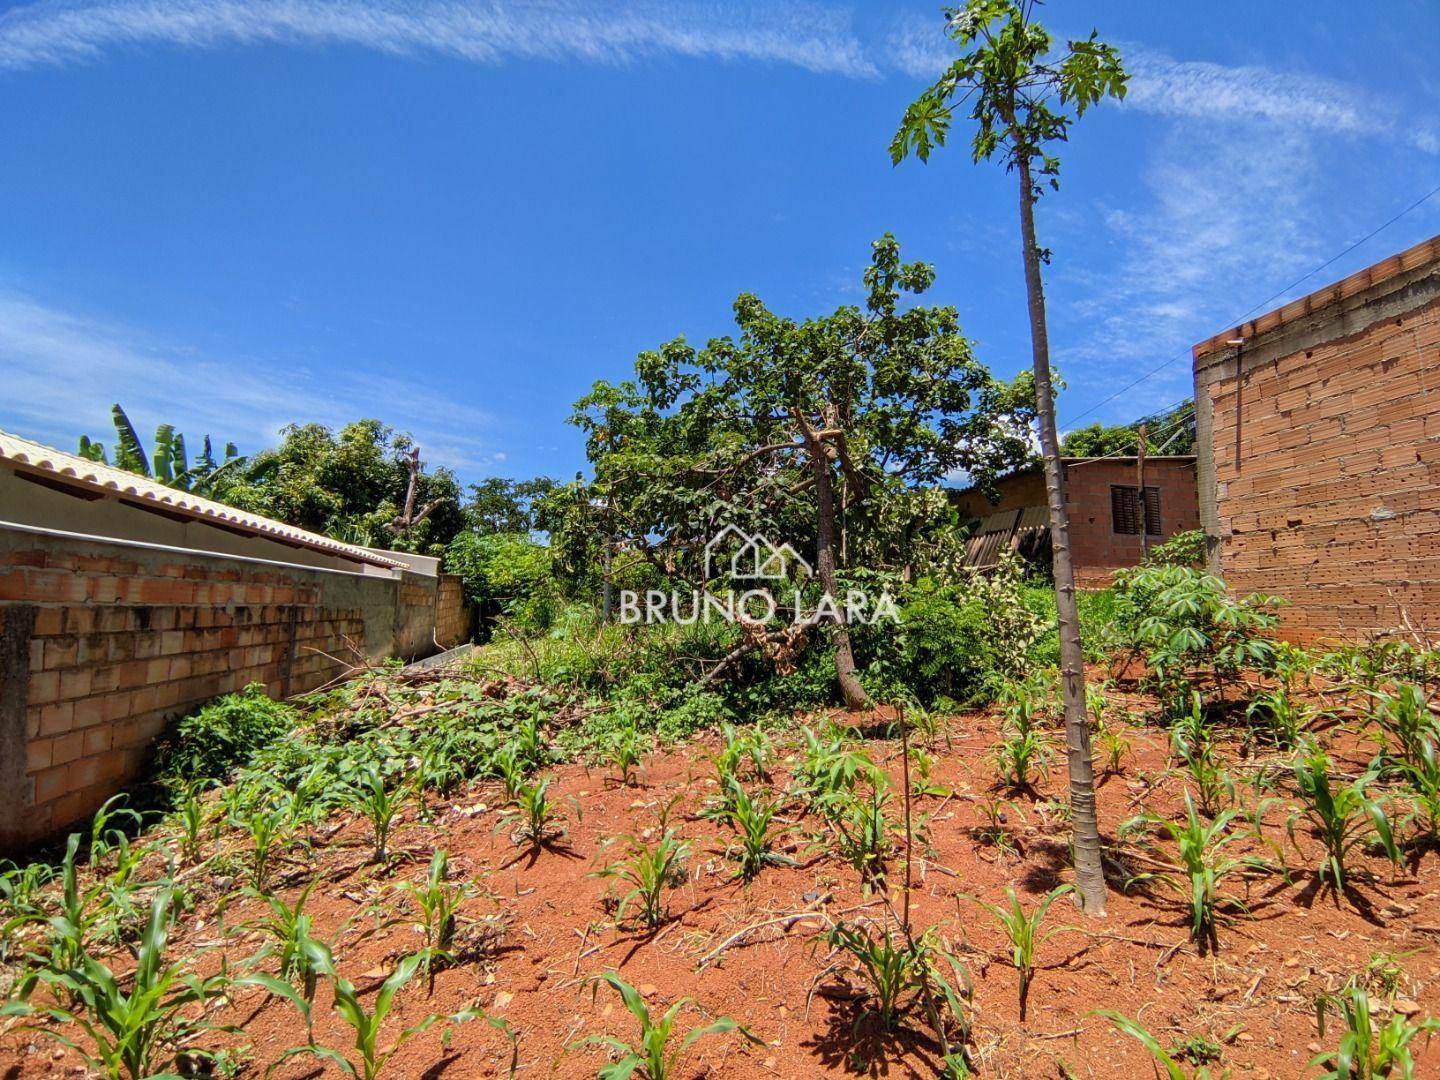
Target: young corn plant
<point>189,819</point>
<point>535,815</point>
<point>267,826</point>
<point>133,1030</point>
<point>1115,747</point>
<point>649,871</point>
<point>380,805</point>
<point>656,1055</point>
<point>437,903</point>
<point>752,819</point>
<point>1194,747</point>
<point>367,1059</point>
<point>995,830</point>
<point>1368,1050</point>
<point>862,830</point>
<point>1164,1058</point>
<point>625,752</point>
<point>507,766</point>
<point>1423,779</point>
<point>1024,933</point>
<point>1343,816</point>
<point>902,976</point>
<point>301,958</point>
<point>1405,723</point>
<point>1280,716</point>
<point>1201,849</point>
<point>1022,757</point>
<point>830,767</point>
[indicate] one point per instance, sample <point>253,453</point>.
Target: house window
<point>1125,510</point>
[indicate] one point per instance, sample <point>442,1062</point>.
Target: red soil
<point>1255,997</point>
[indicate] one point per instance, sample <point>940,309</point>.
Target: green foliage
<point>1104,440</point>
<point>1188,627</point>
<point>507,573</point>
<point>1406,724</point>
<point>300,956</point>
<point>135,1030</point>
<point>1164,1058</point>
<point>752,819</point>
<point>350,485</point>
<point>1193,743</point>
<point>1344,816</point>
<point>535,815</point>
<point>1024,933</point>
<point>1367,1050</point>
<point>1201,852</point>
<point>367,1059</point>
<point>437,903</point>
<point>370,796</point>
<point>1281,716</point>
<point>268,824</point>
<point>222,736</point>
<point>168,464</point>
<point>1182,549</point>
<point>649,871</point>
<point>653,1056</point>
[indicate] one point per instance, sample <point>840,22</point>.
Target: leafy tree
<point>1020,97</point>
<point>354,485</point>
<point>168,462</point>
<point>505,571</point>
<point>498,505</point>
<point>809,430</point>
<point>1099,440</point>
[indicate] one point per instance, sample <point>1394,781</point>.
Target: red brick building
<point>1106,512</point>
<point>1318,436</point>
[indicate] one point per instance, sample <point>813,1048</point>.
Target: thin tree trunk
<point>1089,876</point>
<point>855,696</point>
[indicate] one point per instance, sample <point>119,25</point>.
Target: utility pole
<point>1140,484</point>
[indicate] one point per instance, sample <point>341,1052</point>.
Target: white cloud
<point>809,36</point>
<point>64,369</point>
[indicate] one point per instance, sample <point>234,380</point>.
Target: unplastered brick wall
<point>1324,472</point>
<point>103,643</point>
<point>452,616</point>
<point>1098,550</point>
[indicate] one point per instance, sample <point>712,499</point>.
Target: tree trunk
<point>1089,876</point>
<point>855,696</point>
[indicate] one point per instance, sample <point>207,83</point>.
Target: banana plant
<point>168,462</point>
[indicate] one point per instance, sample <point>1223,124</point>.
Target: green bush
<point>223,736</point>
<point>507,573</point>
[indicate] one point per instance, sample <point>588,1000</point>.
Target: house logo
<point>753,557</point>
<point>773,584</point>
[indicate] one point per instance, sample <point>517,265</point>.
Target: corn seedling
<point>1195,749</point>
<point>1115,746</point>
<point>506,765</point>
<point>1163,1058</point>
<point>752,819</point>
<point>267,827</point>
<point>649,871</point>
<point>902,974</point>
<point>863,832</point>
<point>1368,1051</point>
<point>1021,757</point>
<point>922,768</point>
<point>1344,817</point>
<point>1405,721</point>
<point>830,768</point>
<point>105,835</point>
<point>1201,847</point>
<point>655,1055</point>
<point>301,958</point>
<point>625,753</point>
<point>437,903</point>
<point>132,1032</point>
<point>380,806</point>
<point>1423,778</point>
<point>1024,933</point>
<point>367,1060</point>
<point>995,830</point>
<point>535,815</point>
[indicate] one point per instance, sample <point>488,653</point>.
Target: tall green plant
<point>1020,94</point>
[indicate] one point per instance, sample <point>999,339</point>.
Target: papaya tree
<point>1020,92</point>
<point>801,428</point>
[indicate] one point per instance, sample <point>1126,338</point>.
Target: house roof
<point>1427,251</point>
<point>82,474</point>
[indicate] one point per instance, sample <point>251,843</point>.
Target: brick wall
<point>452,615</point>
<point>104,642</point>
<point>1098,551</point>
<point>1324,468</point>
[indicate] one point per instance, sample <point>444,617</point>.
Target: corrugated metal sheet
<point>1006,529</point>
<point>86,475</point>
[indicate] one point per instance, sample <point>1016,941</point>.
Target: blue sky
<point>455,216</point>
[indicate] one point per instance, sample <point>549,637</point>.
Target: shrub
<point>222,737</point>
<point>509,573</point>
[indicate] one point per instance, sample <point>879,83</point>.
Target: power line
<point>1263,303</point>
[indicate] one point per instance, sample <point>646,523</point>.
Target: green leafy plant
<point>135,1030</point>
<point>752,819</point>
<point>625,752</point>
<point>649,871</point>
<point>862,830</point>
<point>267,825</point>
<point>367,1059</point>
<point>535,815</point>
<point>830,767</point>
<point>1405,722</point>
<point>380,805</point>
<point>1368,1050</point>
<point>1024,934</point>
<point>437,902</point>
<point>1194,746</point>
<point>1282,717</point>
<point>1164,1058</point>
<point>654,1055</point>
<point>995,828</point>
<point>222,736</point>
<point>1021,757</point>
<point>507,765</point>
<point>1201,849</point>
<point>1344,816</point>
<point>301,957</point>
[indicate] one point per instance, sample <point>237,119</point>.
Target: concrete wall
<point>1320,461</point>
<point>1099,551</point>
<point>102,642</point>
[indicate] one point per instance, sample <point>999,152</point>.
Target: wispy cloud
<point>65,364</point>
<point>809,36</point>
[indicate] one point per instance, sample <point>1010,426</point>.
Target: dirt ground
<point>757,953</point>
